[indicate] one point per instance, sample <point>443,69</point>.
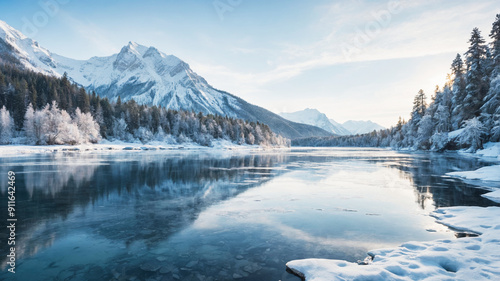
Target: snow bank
<point>470,258</point>
<point>491,149</point>
<point>488,173</point>
<point>493,196</point>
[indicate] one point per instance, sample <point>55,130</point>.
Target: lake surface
<point>201,215</point>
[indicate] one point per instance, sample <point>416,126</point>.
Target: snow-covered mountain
<point>146,75</point>
<point>361,127</point>
<point>14,45</point>
<point>315,118</point>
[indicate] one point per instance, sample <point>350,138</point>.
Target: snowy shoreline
<point>469,258</point>
<point>117,146</point>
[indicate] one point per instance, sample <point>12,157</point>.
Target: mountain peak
<point>153,52</point>
<point>8,33</point>
<point>132,44</point>
<point>134,48</point>
<point>128,58</point>
<point>312,110</point>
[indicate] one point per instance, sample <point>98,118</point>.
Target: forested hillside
<point>38,109</point>
<point>464,113</point>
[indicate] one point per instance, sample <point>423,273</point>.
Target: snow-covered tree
<point>57,126</point>
<point>495,131</point>
<point>425,129</point>
<point>6,126</point>
<point>442,114</point>
<point>88,128</point>
<point>458,92</point>
<point>29,125</point>
<point>68,132</point>
<point>495,45</point>
<point>411,128</point>
<point>120,130</point>
<point>472,135</point>
<point>439,141</point>
<point>489,114</point>
<point>40,126</point>
<point>144,135</point>
<point>419,105</point>
<point>476,77</point>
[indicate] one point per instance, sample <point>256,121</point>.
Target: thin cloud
<point>436,30</point>
<point>93,33</point>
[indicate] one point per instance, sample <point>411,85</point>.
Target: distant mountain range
<point>361,127</point>
<point>146,75</point>
<point>318,119</point>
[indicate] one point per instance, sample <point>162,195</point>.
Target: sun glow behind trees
<point>465,113</point>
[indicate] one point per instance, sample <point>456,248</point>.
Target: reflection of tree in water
<point>432,189</point>
<point>146,196</point>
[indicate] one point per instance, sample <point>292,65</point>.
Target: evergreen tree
<point>420,103</point>
<point>83,101</point>
<point>489,114</point>
<point>419,108</point>
<point>495,45</point>
<point>476,80</point>
<point>458,91</point>
<point>442,115</point>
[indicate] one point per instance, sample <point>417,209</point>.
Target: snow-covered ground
<point>470,258</point>
<point>19,150</point>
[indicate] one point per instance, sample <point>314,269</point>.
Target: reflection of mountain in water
<point>136,193</point>
<point>426,171</point>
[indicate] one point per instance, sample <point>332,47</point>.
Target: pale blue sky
<point>353,59</point>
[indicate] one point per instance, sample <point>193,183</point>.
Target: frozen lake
<point>197,215</point>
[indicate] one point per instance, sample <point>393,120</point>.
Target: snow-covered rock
<point>470,258</point>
